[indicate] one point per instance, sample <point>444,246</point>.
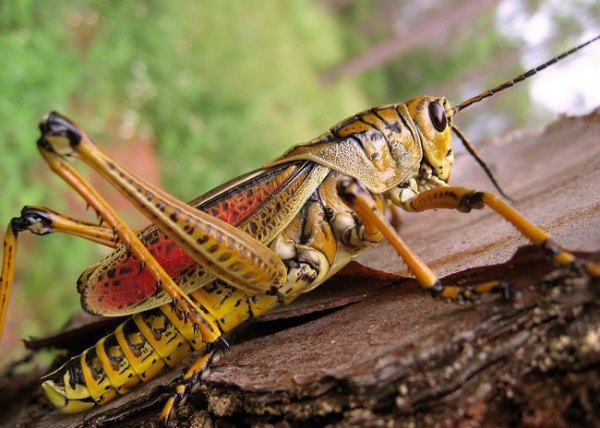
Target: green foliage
<point>218,87</point>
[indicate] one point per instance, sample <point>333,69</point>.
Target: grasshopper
<point>257,242</point>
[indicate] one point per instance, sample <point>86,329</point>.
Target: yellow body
<point>141,348</point>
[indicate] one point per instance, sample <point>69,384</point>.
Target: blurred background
<point>192,93</point>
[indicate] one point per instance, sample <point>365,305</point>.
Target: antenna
<point>480,161</point>
<point>520,78</point>
<point>500,88</point>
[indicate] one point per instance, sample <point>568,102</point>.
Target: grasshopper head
<point>433,116</point>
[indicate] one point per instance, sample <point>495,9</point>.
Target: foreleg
<point>465,200</point>
<point>363,204</point>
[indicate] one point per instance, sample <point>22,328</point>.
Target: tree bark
<point>373,349</point>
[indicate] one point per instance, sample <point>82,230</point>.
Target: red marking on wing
<point>124,284</point>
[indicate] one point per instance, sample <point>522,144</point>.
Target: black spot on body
<point>394,127</point>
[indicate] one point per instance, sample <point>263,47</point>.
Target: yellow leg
<point>464,200</point>
<point>363,204</point>
<point>8,271</point>
<point>188,380</point>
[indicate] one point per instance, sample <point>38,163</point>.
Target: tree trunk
<point>373,349</point>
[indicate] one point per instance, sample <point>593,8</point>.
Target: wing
<point>261,203</point>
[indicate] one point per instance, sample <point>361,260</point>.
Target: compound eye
<point>437,115</point>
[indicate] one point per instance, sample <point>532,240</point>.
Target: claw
<point>218,346</point>
<point>508,291</point>
<point>222,345</point>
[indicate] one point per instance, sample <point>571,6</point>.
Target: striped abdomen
<point>144,346</point>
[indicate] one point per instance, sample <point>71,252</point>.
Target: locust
<point>255,243</point>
